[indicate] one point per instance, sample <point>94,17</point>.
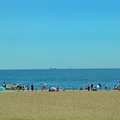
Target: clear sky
<point>41,34</point>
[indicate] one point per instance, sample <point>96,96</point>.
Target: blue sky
<point>41,34</point>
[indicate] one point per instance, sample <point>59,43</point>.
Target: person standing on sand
<point>23,87</point>
<point>105,86</point>
<point>118,86</point>
<point>100,85</point>
<point>32,87</point>
<point>89,86</point>
<point>28,87</point>
<point>41,87</point>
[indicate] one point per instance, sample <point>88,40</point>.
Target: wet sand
<point>63,105</point>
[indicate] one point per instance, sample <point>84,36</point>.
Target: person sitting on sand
<point>4,84</point>
<point>81,88</point>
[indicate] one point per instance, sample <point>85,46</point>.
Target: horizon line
<point>52,68</point>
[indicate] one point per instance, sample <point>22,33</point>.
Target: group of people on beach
<point>99,86</point>
<point>95,87</point>
<point>28,87</point>
<point>32,88</point>
<point>89,87</point>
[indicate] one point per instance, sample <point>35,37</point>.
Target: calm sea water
<point>64,78</point>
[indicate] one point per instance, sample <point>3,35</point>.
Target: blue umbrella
<point>2,88</point>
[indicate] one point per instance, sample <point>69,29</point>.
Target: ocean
<point>63,78</point>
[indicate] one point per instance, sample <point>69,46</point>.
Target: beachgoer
<point>89,86</point>
<point>28,87</point>
<point>58,89</point>
<point>43,86</point>
<point>115,87</point>
<point>118,86</point>
<point>100,85</point>
<point>52,89</point>
<point>4,84</point>
<point>81,88</point>
<point>49,89</point>
<point>23,87</point>
<point>19,88</point>
<point>95,88</point>
<point>105,85</point>
<point>32,87</point>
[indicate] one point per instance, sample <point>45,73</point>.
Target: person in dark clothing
<point>28,87</point>
<point>100,85</point>
<point>89,86</point>
<point>32,87</point>
<point>4,84</point>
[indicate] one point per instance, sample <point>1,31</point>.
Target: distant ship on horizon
<point>53,68</point>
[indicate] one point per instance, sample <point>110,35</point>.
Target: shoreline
<point>61,90</point>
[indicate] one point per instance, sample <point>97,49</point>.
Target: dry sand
<point>63,105</point>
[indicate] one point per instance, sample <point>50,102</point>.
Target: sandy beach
<point>63,105</point>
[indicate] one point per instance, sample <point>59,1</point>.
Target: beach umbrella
<point>2,88</point>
